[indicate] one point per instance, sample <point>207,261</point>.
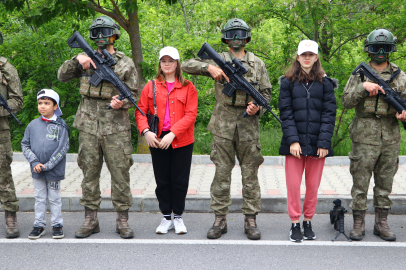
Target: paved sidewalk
<point>336,183</point>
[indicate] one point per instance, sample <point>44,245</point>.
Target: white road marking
<point>203,242</point>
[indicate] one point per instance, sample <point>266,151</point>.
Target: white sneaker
<point>165,226</point>
<point>180,227</point>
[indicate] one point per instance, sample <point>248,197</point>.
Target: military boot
<point>251,228</point>
<point>11,225</point>
<point>358,230</point>
<point>219,227</point>
<point>381,227</point>
<point>91,224</point>
<point>122,225</point>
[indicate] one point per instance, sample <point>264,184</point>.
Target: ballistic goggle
<point>377,48</point>
<point>105,32</point>
<point>241,34</point>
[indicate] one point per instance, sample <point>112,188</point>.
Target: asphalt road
<point>106,250</point>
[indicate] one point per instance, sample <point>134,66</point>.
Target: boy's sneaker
<point>295,233</point>
<point>165,226</point>
<point>307,231</point>
<point>57,232</point>
<point>180,227</point>
<point>36,233</point>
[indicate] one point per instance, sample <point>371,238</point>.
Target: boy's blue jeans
<point>47,189</point>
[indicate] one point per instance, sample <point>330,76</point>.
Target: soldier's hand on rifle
<point>401,117</point>
<point>322,152</point>
<point>217,73</point>
<point>37,168</point>
<point>116,103</point>
<point>151,139</point>
<point>252,108</point>
<point>295,149</point>
<point>85,61</point>
<point>372,88</point>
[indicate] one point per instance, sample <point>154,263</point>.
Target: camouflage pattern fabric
<point>375,136</point>
<point>383,161</point>
<point>227,118</point>
<point>8,196</point>
<point>10,89</point>
<point>92,116</point>
<point>116,149</point>
<point>374,127</point>
<point>223,156</point>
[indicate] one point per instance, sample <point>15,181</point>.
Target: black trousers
<point>172,172</point>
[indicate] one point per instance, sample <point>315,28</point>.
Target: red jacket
<point>182,106</point>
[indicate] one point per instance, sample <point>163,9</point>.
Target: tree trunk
<point>136,46</point>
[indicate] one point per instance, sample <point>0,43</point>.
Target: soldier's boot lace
<point>358,231</point>
<point>90,226</point>
<point>12,230</point>
<point>251,228</point>
<point>381,227</point>
<point>219,227</point>
<point>122,226</point>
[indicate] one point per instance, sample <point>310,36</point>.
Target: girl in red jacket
<point>172,148</point>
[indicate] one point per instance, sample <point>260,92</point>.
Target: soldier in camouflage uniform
<point>10,89</point>
<point>102,132</point>
<point>232,134</point>
<point>375,135</point>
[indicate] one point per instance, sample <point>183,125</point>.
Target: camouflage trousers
<point>223,152</point>
<point>383,161</point>
<point>8,196</point>
<point>116,150</point>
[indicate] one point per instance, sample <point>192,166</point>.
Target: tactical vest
<point>240,98</point>
<point>104,90</point>
<point>3,81</point>
<point>376,104</point>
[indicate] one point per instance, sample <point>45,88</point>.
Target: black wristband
<point>145,132</point>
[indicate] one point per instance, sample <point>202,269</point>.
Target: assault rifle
<point>391,97</point>
<point>103,72</point>
<point>3,103</point>
<point>234,71</point>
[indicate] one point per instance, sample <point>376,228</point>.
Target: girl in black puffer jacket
<point>307,107</point>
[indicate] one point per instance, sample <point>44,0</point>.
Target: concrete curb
<point>270,204</point>
<point>205,159</point>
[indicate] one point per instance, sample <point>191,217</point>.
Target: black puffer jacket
<point>307,118</point>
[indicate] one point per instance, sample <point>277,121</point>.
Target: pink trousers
<point>294,168</point>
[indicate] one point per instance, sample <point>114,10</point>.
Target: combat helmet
<point>378,39</point>
<point>109,27</point>
<point>235,27</point>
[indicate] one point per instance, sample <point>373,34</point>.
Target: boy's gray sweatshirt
<point>47,143</point>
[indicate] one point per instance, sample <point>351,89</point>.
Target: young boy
<point>45,144</point>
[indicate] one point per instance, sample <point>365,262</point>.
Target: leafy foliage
<point>35,37</point>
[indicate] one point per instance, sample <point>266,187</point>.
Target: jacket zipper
<point>307,119</point>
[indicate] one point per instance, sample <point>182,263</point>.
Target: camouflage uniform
<point>103,133</point>
<point>234,135</point>
<point>375,139</point>
<point>10,89</point>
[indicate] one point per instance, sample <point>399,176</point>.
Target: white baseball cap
<point>307,46</point>
<point>49,93</point>
<point>169,51</point>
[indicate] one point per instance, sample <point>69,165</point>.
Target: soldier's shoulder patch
<point>3,61</point>
<point>120,54</point>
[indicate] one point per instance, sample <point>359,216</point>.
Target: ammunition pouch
<point>104,90</point>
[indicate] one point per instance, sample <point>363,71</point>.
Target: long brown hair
<point>296,72</point>
<point>178,74</point>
